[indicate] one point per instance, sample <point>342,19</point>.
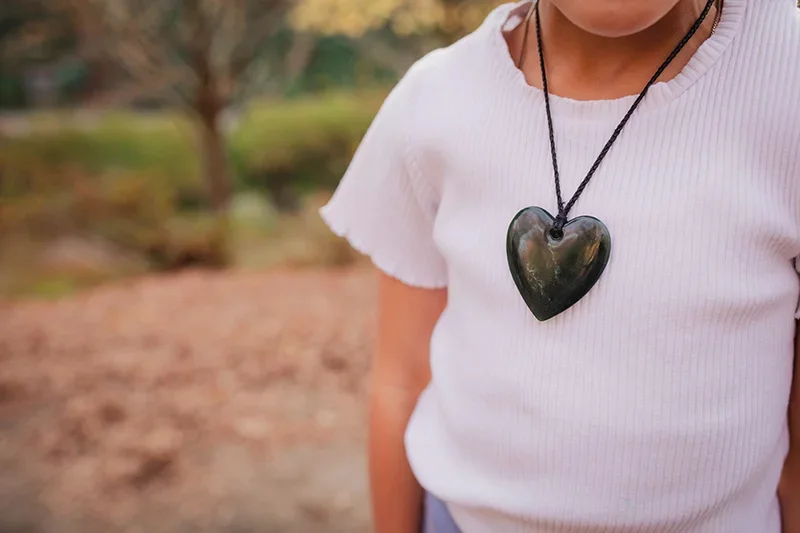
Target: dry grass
<point>56,268</point>
<point>296,241</point>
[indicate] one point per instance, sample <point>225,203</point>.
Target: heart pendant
<point>553,274</point>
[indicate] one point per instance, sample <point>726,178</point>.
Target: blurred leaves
<point>356,17</point>
<point>406,17</point>
<point>294,147</point>
<point>121,52</point>
<point>31,31</point>
<point>131,182</point>
<point>198,53</point>
<point>177,47</point>
<point>157,182</point>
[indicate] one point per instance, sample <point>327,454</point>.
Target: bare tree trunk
<point>209,105</point>
<point>215,162</point>
<point>299,54</point>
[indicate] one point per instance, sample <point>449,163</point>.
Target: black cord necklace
<point>555,261</point>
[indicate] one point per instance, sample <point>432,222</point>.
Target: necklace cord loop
<point>558,224</point>
<point>564,209</point>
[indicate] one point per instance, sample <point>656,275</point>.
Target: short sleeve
<point>383,206</point>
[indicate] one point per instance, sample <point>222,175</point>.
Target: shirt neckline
<point>660,94</point>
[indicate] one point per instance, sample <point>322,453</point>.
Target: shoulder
<point>770,76</point>
<point>435,77</point>
<point>770,38</point>
<point>777,15</point>
<point>763,71</point>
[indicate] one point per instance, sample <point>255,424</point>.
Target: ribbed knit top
<point>658,402</point>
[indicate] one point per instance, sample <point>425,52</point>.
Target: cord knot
<point>557,231</point>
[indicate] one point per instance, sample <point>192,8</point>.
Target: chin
<point>614,18</point>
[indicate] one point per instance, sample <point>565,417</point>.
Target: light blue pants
<point>437,518</point>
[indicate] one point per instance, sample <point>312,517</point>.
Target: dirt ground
<point>198,402</point>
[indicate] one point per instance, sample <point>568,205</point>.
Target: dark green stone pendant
<point>553,274</point>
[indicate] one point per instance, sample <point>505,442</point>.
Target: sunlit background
<point>183,344</point>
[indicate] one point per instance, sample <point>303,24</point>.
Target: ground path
<point>224,402</point>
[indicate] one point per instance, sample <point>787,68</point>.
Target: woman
<point>586,216</point>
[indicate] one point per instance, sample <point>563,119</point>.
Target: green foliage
<point>292,147</point>
<point>128,186</point>
<point>337,64</point>
<point>160,145</point>
<point>12,92</point>
<point>283,149</point>
<point>132,185</point>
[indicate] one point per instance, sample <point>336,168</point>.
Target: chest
<point>702,218</point>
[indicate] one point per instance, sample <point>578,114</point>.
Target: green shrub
<point>131,210</point>
<point>291,148</point>
<point>200,240</point>
<point>134,181</point>
<point>118,142</point>
<point>282,148</point>
<point>125,179</point>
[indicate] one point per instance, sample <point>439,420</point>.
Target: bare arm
<point>790,483</point>
<point>400,372</point>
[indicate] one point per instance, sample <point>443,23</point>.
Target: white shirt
<point>658,402</point>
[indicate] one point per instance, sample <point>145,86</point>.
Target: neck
<point>575,56</point>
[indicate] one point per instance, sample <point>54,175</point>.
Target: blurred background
<point>183,343</point>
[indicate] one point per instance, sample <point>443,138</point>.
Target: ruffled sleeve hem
<point>401,266</point>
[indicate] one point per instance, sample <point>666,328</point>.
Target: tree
<point>422,24</point>
<point>202,54</point>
